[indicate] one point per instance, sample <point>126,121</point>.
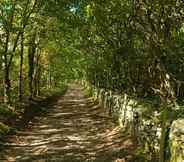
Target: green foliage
<point>6,113</point>
<point>4,129</point>
<point>140,156</point>
<point>88,92</point>
<point>127,46</point>
<point>113,44</point>
<point>125,40</point>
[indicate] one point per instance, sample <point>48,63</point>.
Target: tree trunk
<point>7,83</point>
<point>7,86</point>
<point>50,76</point>
<point>21,67</point>
<point>163,135</point>
<point>31,54</point>
<point>38,81</point>
<point>37,75</point>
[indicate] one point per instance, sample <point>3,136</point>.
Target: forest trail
<point>76,129</point>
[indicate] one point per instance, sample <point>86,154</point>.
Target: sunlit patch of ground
<point>75,130</point>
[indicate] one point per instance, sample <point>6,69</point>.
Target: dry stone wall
<point>142,120</point>
<point>177,141</point>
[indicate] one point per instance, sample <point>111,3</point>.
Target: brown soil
<point>76,129</point>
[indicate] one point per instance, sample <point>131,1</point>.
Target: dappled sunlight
<point>75,129</point>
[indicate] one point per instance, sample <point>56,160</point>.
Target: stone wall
<point>142,119</point>
<point>177,141</point>
<point>138,117</point>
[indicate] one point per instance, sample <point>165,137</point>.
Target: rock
<point>176,140</point>
<point>124,107</point>
<point>120,160</point>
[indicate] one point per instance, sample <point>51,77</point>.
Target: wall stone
<point>134,116</point>
<point>142,120</point>
<point>177,141</point>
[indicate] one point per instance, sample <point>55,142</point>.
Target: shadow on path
<point>74,130</point>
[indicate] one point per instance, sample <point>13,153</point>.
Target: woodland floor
<point>76,129</point>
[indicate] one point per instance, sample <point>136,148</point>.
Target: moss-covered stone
<point>177,141</point>
<point>134,116</point>
<point>144,118</point>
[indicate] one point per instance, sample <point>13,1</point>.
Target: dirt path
<point>75,130</point>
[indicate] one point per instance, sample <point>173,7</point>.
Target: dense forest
<point>133,47</point>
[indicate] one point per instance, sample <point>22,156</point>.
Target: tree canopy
<point>125,46</point>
